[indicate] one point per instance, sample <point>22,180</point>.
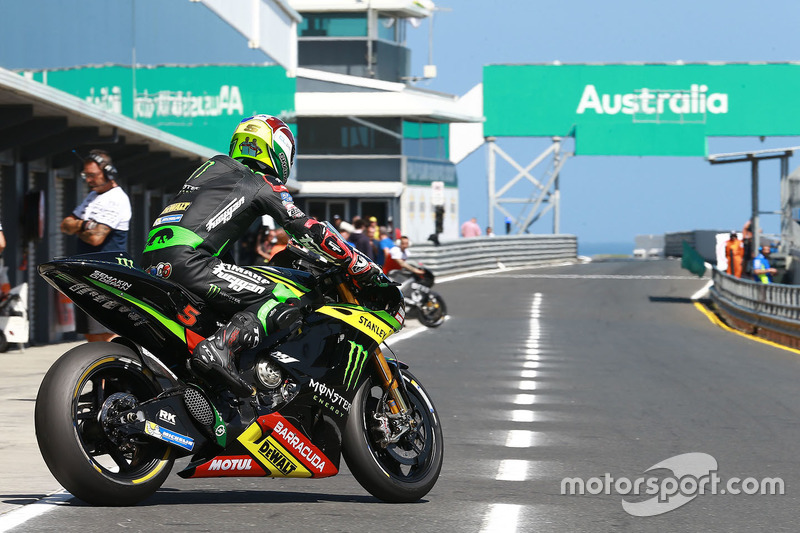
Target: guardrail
<point>768,310</point>
<point>479,253</point>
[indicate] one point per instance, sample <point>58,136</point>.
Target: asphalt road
<point>596,371</point>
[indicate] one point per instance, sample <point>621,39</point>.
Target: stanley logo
<point>355,362</point>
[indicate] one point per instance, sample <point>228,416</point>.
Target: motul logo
<point>231,464</point>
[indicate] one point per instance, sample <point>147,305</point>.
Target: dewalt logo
<point>276,458</point>
<point>355,362</point>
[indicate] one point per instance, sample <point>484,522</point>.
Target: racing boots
<point>214,358</point>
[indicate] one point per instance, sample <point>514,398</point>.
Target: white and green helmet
<point>267,140</point>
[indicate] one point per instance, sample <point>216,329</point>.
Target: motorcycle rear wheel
<point>401,472</point>
<point>78,450</point>
<point>432,312</point>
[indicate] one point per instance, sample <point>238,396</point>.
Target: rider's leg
<point>215,357</point>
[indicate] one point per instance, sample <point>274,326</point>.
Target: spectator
<point>470,228</point>
<point>372,229</point>
<point>101,224</point>
<point>342,225</point>
<point>398,258</point>
<point>747,246</point>
<point>361,240</point>
<point>2,239</point>
<point>346,236</point>
<point>266,239</point>
<point>762,271</point>
<point>734,252</point>
<point>281,240</point>
<point>489,231</point>
<point>385,243</point>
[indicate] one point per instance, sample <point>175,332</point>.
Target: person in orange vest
<point>734,252</point>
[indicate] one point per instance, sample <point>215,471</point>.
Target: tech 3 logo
<point>355,362</point>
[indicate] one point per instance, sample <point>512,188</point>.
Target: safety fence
<point>768,310</point>
<point>479,253</point>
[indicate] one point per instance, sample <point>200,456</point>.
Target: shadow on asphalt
<point>189,497</point>
<point>670,300</point>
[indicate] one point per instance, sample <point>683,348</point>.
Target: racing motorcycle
<point>112,417</point>
<point>421,302</point>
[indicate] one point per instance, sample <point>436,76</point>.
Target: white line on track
<point>519,438</point>
<point>512,470</point>
<point>493,271</point>
<point>524,399</point>
<point>501,518</point>
<point>589,276</point>
<point>521,415</point>
<point>408,333</point>
<point>21,515</point>
<point>703,292</point>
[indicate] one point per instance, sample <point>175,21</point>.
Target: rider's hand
<point>370,276</point>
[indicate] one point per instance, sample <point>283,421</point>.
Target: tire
<point>402,472</point>
<point>432,312</point>
<point>74,444</point>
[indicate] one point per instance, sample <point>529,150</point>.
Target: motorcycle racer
<point>213,209</point>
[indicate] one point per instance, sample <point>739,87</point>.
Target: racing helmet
<point>266,141</point>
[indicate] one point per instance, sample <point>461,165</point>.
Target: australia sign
<point>641,109</point>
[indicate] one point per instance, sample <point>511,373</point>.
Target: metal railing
<point>481,253</point>
<point>771,306</point>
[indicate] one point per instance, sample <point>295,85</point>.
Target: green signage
<point>202,104</point>
<point>641,109</point>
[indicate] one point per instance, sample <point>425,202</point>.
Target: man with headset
<point>101,224</point>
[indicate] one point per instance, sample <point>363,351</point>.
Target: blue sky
<point>603,198</point>
<point>614,198</point>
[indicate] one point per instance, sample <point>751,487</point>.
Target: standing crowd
<point>744,262</point>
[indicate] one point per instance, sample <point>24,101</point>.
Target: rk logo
<point>355,361</point>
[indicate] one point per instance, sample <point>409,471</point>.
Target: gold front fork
<point>396,402</point>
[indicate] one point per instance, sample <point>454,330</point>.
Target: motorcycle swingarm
<point>167,419</point>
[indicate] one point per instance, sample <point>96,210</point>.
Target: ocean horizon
<point>604,248</point>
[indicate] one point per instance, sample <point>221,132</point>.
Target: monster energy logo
<point>355,361</point>
<point>213,290</point>
<point>124,261</point>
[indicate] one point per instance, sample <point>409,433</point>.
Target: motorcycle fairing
<point>277,448</point>
<point>159,314</point>
<point>376,324</point>
<point>329,362</point>
<point>226,466</point>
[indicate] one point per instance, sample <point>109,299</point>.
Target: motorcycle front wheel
<point>432,312</point>
<point>83,453</point>
<point>399,472</point>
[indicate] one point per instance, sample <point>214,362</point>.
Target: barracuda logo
<point>355,361</point>
<point>681,102</point>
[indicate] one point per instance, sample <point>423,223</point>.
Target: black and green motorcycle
<point>112,417</point>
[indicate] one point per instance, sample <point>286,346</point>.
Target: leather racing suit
<point>214,208</point>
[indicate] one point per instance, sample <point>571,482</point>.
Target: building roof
<point>360,189</point>
<point>376,98</point>
<point>397,8</point>
<point>41,121</point>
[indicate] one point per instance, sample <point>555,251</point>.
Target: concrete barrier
<point>479,253</point>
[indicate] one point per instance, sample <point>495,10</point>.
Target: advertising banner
<point>202,104</point>
<point>658,109</point>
